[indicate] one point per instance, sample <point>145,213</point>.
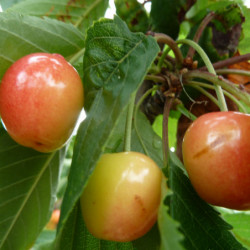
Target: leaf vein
<point>21,161</point>
<point>16,183</point>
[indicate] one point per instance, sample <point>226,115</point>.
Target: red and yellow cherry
<point>216,154</point>
<point>121,199</point>
<point>41,97</point>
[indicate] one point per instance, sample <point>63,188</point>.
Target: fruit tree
<point>128,131</point>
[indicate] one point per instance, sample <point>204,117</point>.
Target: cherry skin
<point>216,154</point>
<point>41,97</point>
<point>121,199</point>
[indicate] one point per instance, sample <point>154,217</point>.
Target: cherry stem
<point>203,55</point>
<point>162,59</point>
<point>226,85</point>
<point>182,109</point>
<point>199,32</point>
<point>127,140</point>
<point>204,92</point>
<point>167,107</point>
<point>226,93</point>
<point>144,96</point>
<point>155,78</point>
<point>138,104</point>
<point>229,61</point>
<point>163,38</point>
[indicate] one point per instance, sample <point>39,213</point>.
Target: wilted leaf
<point>227,29</point>
<point>28,182</point>
<point>222,35</point>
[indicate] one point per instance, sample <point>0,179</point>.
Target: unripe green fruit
<point>121,199</point>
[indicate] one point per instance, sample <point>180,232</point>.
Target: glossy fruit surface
<point>216,154</point>
<point>121,199</point>
<point>41,97</point>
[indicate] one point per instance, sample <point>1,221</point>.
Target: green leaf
<point>81,13</point>
<point>228,17</point>
<point>7,3</point>
<point>145,140</point>
<point>166,16</point>
<point>44,240</point>
<point>112,53</point>
<point>74,234</point>
<point>199,222</point>
<point>28,182</point>
<point>134,14</point>
<point>245,41</point>
<point>171,237</point>
<point>22,35</point>
<point>241,226</point>
<point>202,7</point>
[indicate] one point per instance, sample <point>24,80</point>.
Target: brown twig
<point>229,61</point>
<point>199,32</point>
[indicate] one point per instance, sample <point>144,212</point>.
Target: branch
<point>229,61</point>
<point>199,32</point>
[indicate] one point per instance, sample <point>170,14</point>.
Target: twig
<point>199,32</point>
<point>229,61</point>
<point>233,71</point>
